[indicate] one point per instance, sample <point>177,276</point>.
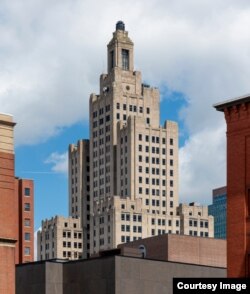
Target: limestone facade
<point>133,161</point>
<point>60,237</point>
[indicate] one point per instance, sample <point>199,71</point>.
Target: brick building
<point>16,211</point>
<point>237,115</point>
<point>25,242</point>
<point>8,206</point>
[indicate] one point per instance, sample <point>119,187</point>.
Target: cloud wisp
<point>59,162</point>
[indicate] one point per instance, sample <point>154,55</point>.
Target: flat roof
<point>231,102</point>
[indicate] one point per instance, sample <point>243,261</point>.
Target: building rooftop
<point>232,102</point>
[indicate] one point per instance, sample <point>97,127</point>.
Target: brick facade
<point>8,207</point>
<point>237,115</point>
<point>13,217</point>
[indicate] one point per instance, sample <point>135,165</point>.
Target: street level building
<point>60,237</point>
<point>219,211</point>
<point>131,190</point>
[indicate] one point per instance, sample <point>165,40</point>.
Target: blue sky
<point>52,53</point>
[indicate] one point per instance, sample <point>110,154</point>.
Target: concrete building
<point>17,221</point>
<point>219,211</point>
<point>60,237</point>
<point>119,271</point>
<point>132,173</point>
<point>79,189</point>
<point>237,117</point>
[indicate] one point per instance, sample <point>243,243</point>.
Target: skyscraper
<point>219,211</point>
<point>132,185</point>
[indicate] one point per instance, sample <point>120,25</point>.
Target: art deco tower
<point>133,175</point>
<point>132,192</point>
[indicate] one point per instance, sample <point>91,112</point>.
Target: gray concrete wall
<point>95,276</point>
<point>142,276</point>
<point>30,278</point>
<point>106,275</point>
<point>39,278</point>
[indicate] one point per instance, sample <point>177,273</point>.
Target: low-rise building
<point>60,237</point>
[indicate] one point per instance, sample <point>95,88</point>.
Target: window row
<point>68,235</point>
<point>195,233</point>
<point>162,222</point>
<point>127,217</point>
<point>155,139</point>
<point>157,203</point>
<point>68,244</point>
<point>194,223</point>
<point>159,232</point>
<point>132,108</point>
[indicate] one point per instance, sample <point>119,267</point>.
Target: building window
<point>125,59</point>
<point>26,206</point>
<point>27,251</point>
<point>27,222</point>
<point>27,236</point>
<point>27,191</point>
<point>111,59</point>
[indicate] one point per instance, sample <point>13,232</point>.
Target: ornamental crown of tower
<point>120,50</point>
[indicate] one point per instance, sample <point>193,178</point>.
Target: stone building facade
<point>133,161</point>
<point>60,237</point>
<point>79,189</point>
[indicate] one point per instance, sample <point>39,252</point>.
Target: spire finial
<point>120,25</point>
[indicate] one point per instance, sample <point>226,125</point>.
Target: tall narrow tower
<point>133,161</point>
<point>130,182</point>
<point>237,115</point>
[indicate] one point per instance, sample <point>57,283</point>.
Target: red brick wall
<point>238,181</point>
<point>8,221</point>
<point>7,269</point>
<point>21,184</point>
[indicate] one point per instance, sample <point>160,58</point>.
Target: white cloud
<point>59,162</point>
<point>52,53</point>
<point>202,165</point>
